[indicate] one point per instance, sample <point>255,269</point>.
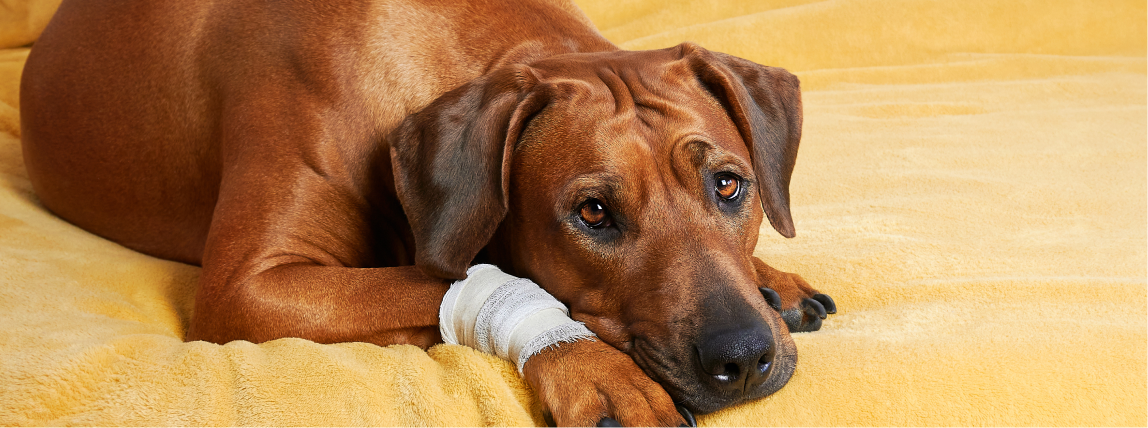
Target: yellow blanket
<point>971,189</point>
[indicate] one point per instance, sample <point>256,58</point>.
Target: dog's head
<point>630,185</point>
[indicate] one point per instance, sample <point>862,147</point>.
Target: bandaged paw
<point>504,315</point>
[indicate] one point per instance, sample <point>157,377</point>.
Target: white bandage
<point>504,315</point>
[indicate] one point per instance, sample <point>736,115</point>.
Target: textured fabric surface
<point>971,189</point>
<point>21,21</point>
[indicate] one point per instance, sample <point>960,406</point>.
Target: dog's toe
<point>771,297</point>
<point>813,308</point>
<point>826,302</point>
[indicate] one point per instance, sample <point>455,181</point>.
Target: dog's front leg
<point>264,280</point>
<point>294,235</point>
<point>324,304</point>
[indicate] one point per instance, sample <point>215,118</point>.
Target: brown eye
<point>594,214</point>
<point>727,186</point>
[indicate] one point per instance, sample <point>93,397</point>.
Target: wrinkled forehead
<point>626,100</point>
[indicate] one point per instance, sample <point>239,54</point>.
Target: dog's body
<point>333,167</point>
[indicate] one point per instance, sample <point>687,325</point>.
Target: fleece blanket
<point>971,189</point>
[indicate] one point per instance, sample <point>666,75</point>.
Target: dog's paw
<point>807,314</point>
<point>590,383</point>
<point>802,307</point>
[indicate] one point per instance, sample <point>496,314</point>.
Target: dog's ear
<point>451,164</point>
<point>765,104</point>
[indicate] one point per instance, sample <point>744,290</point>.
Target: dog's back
<point>132,109</point>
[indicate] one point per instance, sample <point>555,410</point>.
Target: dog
<point>335,166</point>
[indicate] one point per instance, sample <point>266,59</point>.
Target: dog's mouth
<point>695,381</point>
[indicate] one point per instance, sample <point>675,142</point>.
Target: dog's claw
<point>827,302</point>
<point>608,422</point>
<point>813,308</point>
<point>689,416</point>
<point>774,299</point>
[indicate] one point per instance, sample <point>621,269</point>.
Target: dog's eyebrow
<point>694,148</point>
<point>703,152</point>
<point>606,186</point>
<point>695,152</point>
<point>689,155</point>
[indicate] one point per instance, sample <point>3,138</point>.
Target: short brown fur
<point>334,166</point>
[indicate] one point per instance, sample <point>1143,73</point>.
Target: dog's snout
<point>738,360</point>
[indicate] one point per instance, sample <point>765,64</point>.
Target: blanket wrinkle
<point>970,189</point>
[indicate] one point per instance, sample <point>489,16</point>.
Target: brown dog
<point>334,166</point>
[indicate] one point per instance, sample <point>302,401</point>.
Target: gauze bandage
<point>504,315</point>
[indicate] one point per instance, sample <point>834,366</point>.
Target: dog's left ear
<point>451,164</point>
<point>765,104</point>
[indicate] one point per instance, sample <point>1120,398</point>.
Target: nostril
<point>766,362</point>
<point>763,366</point>
<point>730,373</point>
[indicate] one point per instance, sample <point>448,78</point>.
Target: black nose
<point>737,359</point>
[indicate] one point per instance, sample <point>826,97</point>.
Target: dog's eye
<point>594,214</point>
<point>727,186</point>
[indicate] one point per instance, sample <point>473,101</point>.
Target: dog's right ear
<point>451,163</point>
